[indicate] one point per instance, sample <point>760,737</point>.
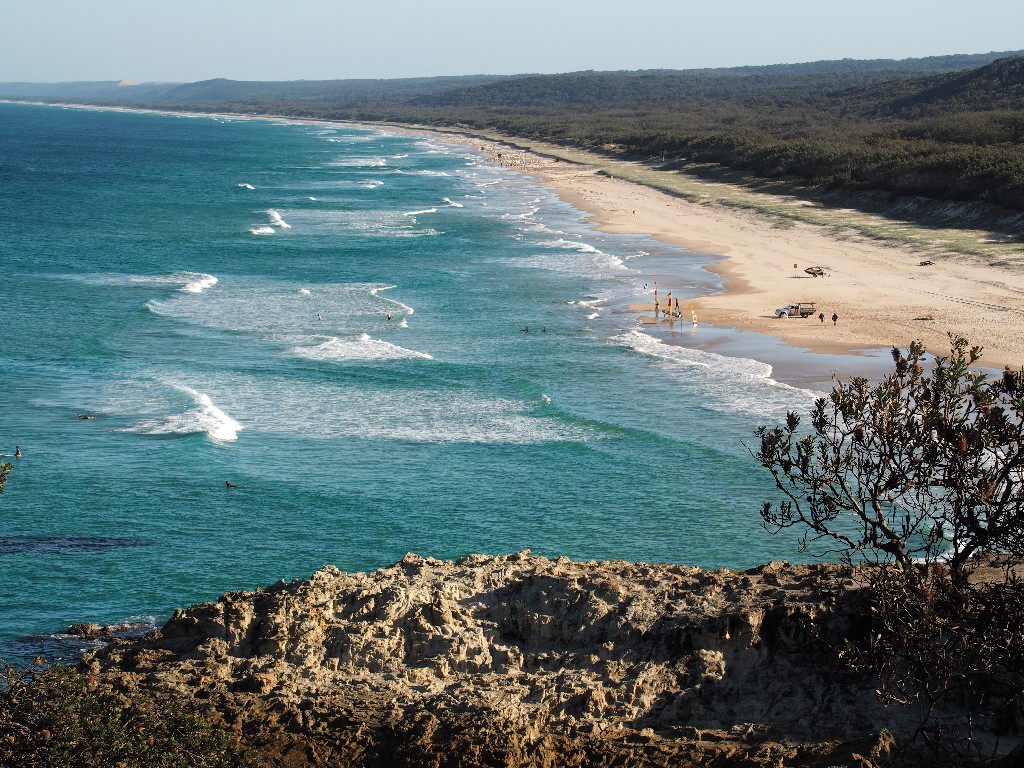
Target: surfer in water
<point>229,484</point>
<point>17,451</point>
<point>84,416</point>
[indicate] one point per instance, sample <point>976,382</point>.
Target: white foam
<point>419,213</point>
<point>200,282</point>
<point>593,316</point>
<point>452,204</point>
<point>360,348</point>
<point>262,230</point>
<point>418,415</point>
<point>724,383</point>
<point>359,162</point>
<point>585,262</point>
<point>204,418</point>
<point>303,291</point>
<point>189,282</point>
<point>276,220</point>
<point>403,308</point>
<point>371,183</point>
<point>311,198</point>
<point>246,186</point>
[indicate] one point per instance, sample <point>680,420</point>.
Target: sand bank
<point>905,283</point>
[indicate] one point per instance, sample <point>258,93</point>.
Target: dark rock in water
<point>92,631</point>
<point>67,647</point>
<point>525,661</point>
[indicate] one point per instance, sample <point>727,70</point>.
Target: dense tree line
<point>932,128</point>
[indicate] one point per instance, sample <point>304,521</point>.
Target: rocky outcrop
<point>520,660</point>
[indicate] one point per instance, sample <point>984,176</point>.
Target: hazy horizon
<point>113,40</point>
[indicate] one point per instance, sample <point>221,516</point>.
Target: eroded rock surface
<point>520,660</point>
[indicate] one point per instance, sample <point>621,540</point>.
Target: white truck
<point>800,309</point>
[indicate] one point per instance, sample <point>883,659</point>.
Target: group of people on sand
<point>672,310</point>
<point>835,317</point>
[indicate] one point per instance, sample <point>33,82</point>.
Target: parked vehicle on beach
<point>802,309</point>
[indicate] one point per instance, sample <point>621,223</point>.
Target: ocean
<point>332,319</point>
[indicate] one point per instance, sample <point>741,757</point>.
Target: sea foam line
<point>204,418</point>
<point>404,307</point>
<point>731,383</point>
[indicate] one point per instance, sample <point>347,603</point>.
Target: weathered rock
<point>520,660</point>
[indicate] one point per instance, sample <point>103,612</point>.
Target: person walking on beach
<point>821,316</point>
<point>835,318</point>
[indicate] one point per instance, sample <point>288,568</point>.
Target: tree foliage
<point>920,468</point>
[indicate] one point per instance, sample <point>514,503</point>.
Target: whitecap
<point>359,162</point>
<point>276,220</point>
<point>243,185</point>
<point>451,203</point>
<point>419,213</point>
<point>361,348</point>
<point>204,418</point>
<point>303,291</point>
<point>199,283</point>
<point>403,308</point>
<point>262,230</point>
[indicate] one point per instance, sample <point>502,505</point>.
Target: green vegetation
<point>54,717</point>
<point>922,476</point>
<point>947,128</point>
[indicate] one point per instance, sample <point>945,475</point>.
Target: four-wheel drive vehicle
<point>803,309</point>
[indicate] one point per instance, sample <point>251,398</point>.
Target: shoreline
<point>885,292</point>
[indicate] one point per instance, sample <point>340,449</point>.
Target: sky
<point>189,40</point>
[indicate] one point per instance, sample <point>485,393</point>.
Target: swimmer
<point>84,416</point>
<point>17,451</point>
<point>526,329</point>
<point>318,316</point>
<point>389,317</point>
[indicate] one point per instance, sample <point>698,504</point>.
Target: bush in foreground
<point>922,476</point>
<point>55,717</point>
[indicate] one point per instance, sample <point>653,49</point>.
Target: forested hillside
<point>947,128</point>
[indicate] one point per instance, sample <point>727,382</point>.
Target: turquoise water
<point>215,293</point>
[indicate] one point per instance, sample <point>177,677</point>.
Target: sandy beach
<point>885,291</point>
